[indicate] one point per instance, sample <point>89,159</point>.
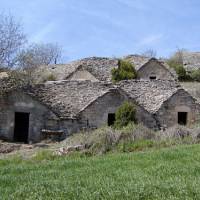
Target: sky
<point>109,28</point>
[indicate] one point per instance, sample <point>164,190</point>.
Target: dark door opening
<point>152,77</point>
<point>111,119</point>
<point>21,127</point>
<point>182,118</point>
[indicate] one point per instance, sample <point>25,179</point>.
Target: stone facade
<point>72,106</point>
<point>164,100</point>
<point>22,103</point>
<point>180,102</point>
<point>93,112</point>
<point>155,70</point>
<point>96,114</point>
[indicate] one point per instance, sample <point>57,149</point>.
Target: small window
<point>152,77</point>
<point>182,118</point>
<point>111,119</point>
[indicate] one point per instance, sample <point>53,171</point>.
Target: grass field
<point>158,174</point>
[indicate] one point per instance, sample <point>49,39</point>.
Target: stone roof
<point>5,85</point>
<point>60,71</point>
<point>150,94</point>
<point>4,75</point>
<point>191,60</point>
<point>137,60</point>
<point>11,81</point>
<point>68,98</point>
<point>99,67</point>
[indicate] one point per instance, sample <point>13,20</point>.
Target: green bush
<point>195,75</point>
<point>125,115</point>
<point>180,70</point>
<point>124,71</point>
<point>51,77</point>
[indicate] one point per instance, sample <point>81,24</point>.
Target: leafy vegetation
<point>183,75</point>
<point>51,77</point>
<point>195,75</point>
<point>124,71</point>
<point>171,173</point>
<point>133,137</point>
<point>180,70</point>
<point>125,114</point>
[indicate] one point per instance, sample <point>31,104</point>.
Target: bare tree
<point>39,54</point>
<point>178,56</point>
<point>150,53</point>
<point>12,39</point>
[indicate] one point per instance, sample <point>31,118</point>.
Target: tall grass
<point>132,138</point>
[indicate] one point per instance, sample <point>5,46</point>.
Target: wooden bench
<point>52,133</point>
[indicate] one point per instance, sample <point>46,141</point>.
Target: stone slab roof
<point>150,94</point>
<point>11,81</point>
<point>68,98</point>
<point>60,71</point>
<point>191,60</point>
<point>193,88</point>
<point>99,67</point>
<point>137,60</point>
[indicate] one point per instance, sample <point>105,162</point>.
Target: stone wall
<point>180,102</point>
<point>39,117</point>
<point>153,68</point>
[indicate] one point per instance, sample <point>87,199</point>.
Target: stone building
<point>167,101</point>
<point>71,106</point>
<point>94,69</point>
<point>99,69</point>
<point>151,68</point>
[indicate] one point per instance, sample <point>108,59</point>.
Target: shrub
<point>124,71</point>
<point>51,77</point>
<point>125,115</point>
<point>195,75</point>
<point>180,70</point>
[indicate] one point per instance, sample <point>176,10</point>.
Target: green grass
<point>171,173</point>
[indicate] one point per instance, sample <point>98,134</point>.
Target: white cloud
<point>151,39</point>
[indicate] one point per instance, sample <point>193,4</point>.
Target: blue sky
<point>110,27</point>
